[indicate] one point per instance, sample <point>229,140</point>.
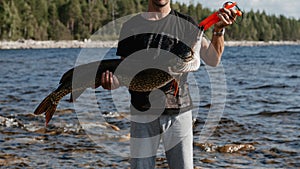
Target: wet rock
<point>13,160</point>
<point>206,160</point>
<point>161,162</point>
<point>232,148</point>
<point>207,147</point>
<point>65,111</point>
<point>124,138</point>
<point>114,127</point>
<point>271,162</point>
<point>41,138</point>
<point>10,122</point>
<point>228,148</point>
<point>196,167</point>
<point>48,131</point>
<point>3,162</point>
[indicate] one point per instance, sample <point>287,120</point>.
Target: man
<point>151,34</point>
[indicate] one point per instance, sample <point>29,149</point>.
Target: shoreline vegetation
<point>60,20</point>
<point>32,44</point>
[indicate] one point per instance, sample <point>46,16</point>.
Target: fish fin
<point>46,106</point>
<point>43,106</point>
<point>49,113</point>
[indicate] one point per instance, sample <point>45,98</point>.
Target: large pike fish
<point>79,78</point>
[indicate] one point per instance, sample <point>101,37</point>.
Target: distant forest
<point>79,19</point>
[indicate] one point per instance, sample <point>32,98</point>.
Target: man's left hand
<point>226,16</point>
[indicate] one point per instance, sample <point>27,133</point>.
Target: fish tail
<point>47,106</point>
<point>49,113</point>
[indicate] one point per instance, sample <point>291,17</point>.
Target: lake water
<point>259,127</point>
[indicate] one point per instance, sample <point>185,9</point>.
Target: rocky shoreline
<point>261,43</point>
<point>31,44</point>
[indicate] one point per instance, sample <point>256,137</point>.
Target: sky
<point>288,8</point>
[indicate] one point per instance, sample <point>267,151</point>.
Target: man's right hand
<point>109,81</point>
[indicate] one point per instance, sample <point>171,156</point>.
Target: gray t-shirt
<point>175,34</point>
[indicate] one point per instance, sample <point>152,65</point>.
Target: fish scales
<point>81,77</point>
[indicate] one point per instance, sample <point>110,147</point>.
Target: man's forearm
<point>218,41</point>
<point>213,54</point>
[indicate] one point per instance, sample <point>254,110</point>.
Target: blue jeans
<point>177,137</point>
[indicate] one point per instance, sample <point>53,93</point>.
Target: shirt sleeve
<point>189,60</point>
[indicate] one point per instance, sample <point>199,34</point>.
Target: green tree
<point>39,8</point>
<point>78,19</point>
<point>4,20</point>
<point>192,11</point>
<point>125,7</point>
<point>29,22</point>
<point>70,15</point>
<point>12,21</point>
<point>183,8</point>
<point>176,6</point>
<point>56,30</point>
<point>94,13</point>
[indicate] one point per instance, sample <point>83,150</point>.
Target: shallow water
<point>259,127</point>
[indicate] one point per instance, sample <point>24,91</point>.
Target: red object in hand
<point>213,18</point>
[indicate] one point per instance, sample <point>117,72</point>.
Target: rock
<point>205,160</point>
<point>231,148</point>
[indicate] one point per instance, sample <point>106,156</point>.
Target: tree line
<point>79,19</point>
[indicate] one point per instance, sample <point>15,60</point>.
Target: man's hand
<point>109,81</point>
<point>213,53</point>
<point>227,17</point>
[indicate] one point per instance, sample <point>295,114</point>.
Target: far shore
<point>32,44</point>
